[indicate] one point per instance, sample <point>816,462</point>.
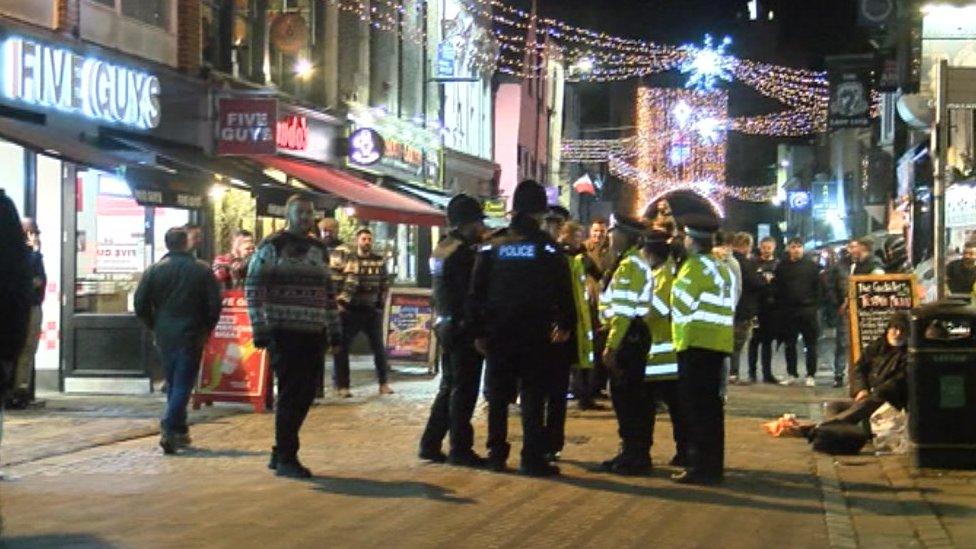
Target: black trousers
<point>762,339</point>
<point>296,359</point>
<point>354,321</point>
<point>556,403</point>
<point>600,375</point>
<point>455,401</point>
<point>801,322</point>
<point>581,380</point>
<point>632,403</point>
<point>518,371</point>
<point>700,379</point>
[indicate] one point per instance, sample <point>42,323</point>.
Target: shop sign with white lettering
<point>57,78</point>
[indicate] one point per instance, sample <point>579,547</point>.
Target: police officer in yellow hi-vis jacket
<point>625,303</point>
<point>702,308</point>
<point>661,373</point>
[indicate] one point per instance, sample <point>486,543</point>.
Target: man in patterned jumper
<point>292,306</point>
<point>364,287</point>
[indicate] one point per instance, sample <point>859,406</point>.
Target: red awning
<point>371,201</point>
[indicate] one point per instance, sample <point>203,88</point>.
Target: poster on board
<point>408,321</point>
<point>232,369</point>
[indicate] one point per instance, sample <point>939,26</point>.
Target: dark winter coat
<point>451,265</point>
<point>179,299</point>
<point>882,370</point>
<point>797,284</point>
<point>753,287</point>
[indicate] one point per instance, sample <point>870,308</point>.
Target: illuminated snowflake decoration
<point>682,113</point>
<point>709,130</point>
<point>707,65</point>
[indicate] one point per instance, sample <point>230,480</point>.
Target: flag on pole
<point>584,185</point>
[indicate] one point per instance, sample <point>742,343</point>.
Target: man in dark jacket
<point>23,386</point>
<point>865,262</point>
<point>179,300</point>
<point>520,307</point>
<point>961,273</point>
<point>880,375</point>
<point>450,267</point>
<point>837,279</point>
<point>15,292</point>
<point>798,293</point>
<point>753,285</point>
<point>761,342</point>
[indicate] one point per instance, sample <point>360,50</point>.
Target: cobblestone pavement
<point>371,491</point>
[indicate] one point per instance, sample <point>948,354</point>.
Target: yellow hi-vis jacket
<point>662,361</point>
<point>702,305</point>
<point>627,297</point>
<point>584,324</point>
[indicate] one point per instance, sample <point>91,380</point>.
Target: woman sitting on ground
<point>880,375</point>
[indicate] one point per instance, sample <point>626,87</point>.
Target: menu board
<point>409,321</point>
<point>873,299</point>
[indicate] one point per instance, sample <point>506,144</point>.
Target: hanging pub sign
<point>247,126</point>
<point>57,78</point>
<point>850,93</point>
<point>366,147</point>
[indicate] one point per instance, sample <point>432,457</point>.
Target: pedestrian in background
<point>231,269</point>
<point>961,273</point>
<point>16,294</point>
<point>179,300</point>
<point>364,284</point>
<point>625,304</point>
<point>798,295</point>
<point>865,262</point>
<point>753,285</point>
<point>702,306</point>
<point>521,306</point>
<point>765,330</point>
<point>292,306</point>
<point>24,378</point>
<point>582,358</point>
<point>598,262</point>
<point>451,266</point>
<point>836,287</point>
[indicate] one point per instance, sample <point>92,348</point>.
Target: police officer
<point>450,266</point>
<point>521,305</point>
<point>661,373</point>
<point>702,310</point>
<point>625,302</point>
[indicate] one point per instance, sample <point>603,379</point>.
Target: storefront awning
<point>437,199</point>
<point>370,201</point>
<point>55,143</point>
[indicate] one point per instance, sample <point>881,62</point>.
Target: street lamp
<point>583,65</point>
<point>304,68</point>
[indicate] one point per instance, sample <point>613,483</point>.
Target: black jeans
<point>762,339</point>
<point>599,376</point>
<point>354,321</point>
<point>296,360</point>
<point>741,331</point>
<point>556,402</point>
<point>803,322</point>
<point>700,379</point>
<point>510,372</point>
<point>455,401</point>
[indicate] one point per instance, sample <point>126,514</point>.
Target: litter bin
<point>942,385</point>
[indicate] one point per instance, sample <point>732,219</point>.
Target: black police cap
<point>619,222</point>
<point>463,209</point>
<point>529,198</point>
<point>558,212</point>
<point>699,225</point>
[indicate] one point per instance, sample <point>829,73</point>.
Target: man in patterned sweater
<point>292,305</point>
<point>364,287</point>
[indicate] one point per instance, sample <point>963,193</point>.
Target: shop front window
<point>111,242</point>
<point>234,57</point>
<point>290,39</point>
<point>153,12</point>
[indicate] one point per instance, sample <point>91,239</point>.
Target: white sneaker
<point>344,393</point>
<point>811,381</point>
<point>789,380</point>
<point>385,389</point>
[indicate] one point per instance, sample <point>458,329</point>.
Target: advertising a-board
<point>232,369</point>
<point>408,321</point>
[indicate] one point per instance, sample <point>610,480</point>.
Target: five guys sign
<point>247,126</point>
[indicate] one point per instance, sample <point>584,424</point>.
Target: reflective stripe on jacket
<point>628,296</point>
<point>662,361</point>
<point>702,305</point>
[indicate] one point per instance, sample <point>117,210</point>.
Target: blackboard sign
<point>872,300</point>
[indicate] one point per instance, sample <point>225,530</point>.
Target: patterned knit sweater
<point>365,281</point>
<point>289,289</point>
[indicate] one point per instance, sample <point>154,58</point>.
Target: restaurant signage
<point>247,126</point>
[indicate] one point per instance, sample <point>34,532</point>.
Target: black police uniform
<point>451,265</point>
<point>519,294</point>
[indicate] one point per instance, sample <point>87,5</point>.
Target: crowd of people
<point>648,314</point>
